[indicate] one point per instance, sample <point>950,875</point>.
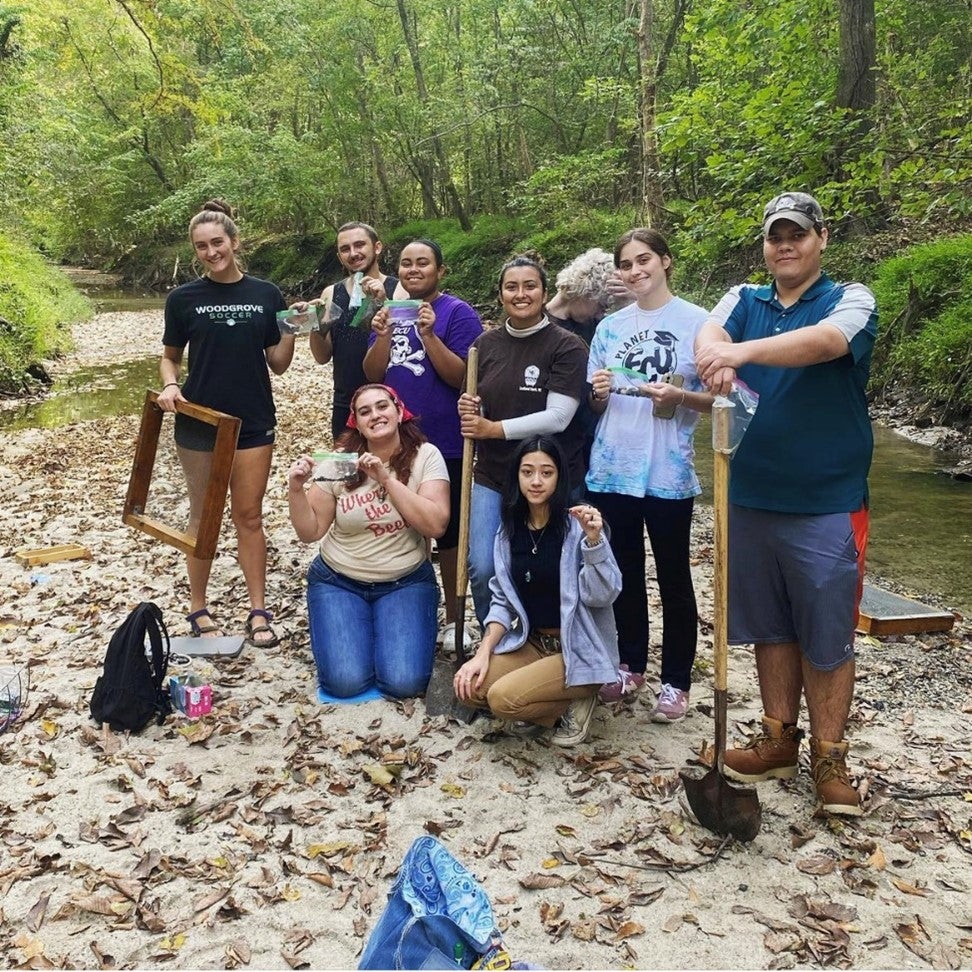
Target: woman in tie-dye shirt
<point>642,475</point>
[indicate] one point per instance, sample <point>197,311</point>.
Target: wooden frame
<point>884,613</point>
<point>203,545</point>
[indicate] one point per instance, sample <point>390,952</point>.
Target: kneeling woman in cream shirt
<point>371,593</point>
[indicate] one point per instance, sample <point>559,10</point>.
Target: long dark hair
<point>409,434</point>
<point>515,508</point>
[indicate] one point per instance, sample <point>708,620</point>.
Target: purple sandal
<point>255,629</point>
<point>198,630</point>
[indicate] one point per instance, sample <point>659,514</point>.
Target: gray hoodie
<point>590,581</point>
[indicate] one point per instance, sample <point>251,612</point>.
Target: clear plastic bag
<point>332,467</point>
<point>731,415</point>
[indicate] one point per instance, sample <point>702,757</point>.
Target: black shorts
<point>199,436</point>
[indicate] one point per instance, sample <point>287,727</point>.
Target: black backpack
<point>129,692</point>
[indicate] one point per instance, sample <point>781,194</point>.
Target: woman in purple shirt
<point>425,360</point>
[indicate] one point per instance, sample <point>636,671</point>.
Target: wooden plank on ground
<point>884,613</point>
<point>50,555</point>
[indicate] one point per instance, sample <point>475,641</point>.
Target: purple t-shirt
<point>412,375</point>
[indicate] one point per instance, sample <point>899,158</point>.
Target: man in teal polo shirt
<point>798,492</point>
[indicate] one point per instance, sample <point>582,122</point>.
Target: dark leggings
<point>669,526</point>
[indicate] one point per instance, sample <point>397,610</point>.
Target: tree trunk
<point>411,42</point>
<point>856,93</point>
<point>652,201</point>
<point>856,82</point>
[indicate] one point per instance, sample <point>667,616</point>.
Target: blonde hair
<point>586,276</point>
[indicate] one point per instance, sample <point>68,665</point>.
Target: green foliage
<point>925,301</point>
<point>37,303</point>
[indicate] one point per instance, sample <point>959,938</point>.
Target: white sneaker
<point>574,723</point>
<point>447,637</point>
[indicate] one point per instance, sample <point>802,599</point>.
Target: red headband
<point>352,422</point>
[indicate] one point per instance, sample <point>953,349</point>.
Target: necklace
<point>536,538</point>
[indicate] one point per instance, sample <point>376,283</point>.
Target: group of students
<point>581,448</point>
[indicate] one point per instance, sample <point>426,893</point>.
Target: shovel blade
<point>721,807</point>
<point>440,696</point>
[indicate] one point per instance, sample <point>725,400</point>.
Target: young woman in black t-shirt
<point>228,320</point>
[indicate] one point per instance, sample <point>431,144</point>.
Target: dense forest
<point>549,123</point>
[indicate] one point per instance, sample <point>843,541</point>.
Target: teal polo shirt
<point>808,448</point>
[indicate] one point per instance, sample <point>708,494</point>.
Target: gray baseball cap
<point>799,207</point>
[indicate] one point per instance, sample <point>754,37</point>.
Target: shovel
<point>440,696</point>
<point>718,805</point>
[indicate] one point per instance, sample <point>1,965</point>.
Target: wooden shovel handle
<point>465,495</point>
<point>720,570</point>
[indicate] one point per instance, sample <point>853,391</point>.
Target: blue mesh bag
<point>437,917</point>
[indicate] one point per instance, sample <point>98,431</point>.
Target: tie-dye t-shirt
<point>635,453</point>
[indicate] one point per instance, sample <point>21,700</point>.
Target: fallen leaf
<point>877,860</point>
<point>584,930</point>
<point>818,864</point>
<point>35,917</point>
<point>907,888</point>
<point>673,924</point>
<point>540,882</point>
<point>454,790</point>
<point>628,930</point>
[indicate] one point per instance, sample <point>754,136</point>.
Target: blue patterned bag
<point>437,917</point>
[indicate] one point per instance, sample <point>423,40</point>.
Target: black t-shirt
<point>350,344</point>
<point>515,376</point>
<point>228,328</point>
<point>537,575</point>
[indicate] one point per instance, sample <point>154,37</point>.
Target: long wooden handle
<point>465,496</point>
<point>720,579</point>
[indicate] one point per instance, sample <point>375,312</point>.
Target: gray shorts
<point>793,578</point>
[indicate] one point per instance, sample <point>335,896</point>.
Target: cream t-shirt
<point>369,540</point>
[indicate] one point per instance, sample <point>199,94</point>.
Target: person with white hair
<point>588,288</point>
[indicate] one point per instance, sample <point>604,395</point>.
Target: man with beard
<point>358,249</point>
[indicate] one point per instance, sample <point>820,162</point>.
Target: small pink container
<point>191,696</point>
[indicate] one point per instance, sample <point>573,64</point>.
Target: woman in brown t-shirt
<point>531,380</point>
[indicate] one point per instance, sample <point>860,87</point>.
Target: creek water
<point>921,519</point>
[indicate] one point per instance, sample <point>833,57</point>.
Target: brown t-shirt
<point>515,375</point>
<point>369,540</point>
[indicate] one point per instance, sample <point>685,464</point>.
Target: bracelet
<point>681,401</point>
<point>597,398</point>
<point>169,384</point>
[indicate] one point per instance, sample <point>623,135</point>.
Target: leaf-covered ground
<point>266,834</point>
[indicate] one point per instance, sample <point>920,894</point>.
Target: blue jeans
<point>484,521</point>
<point>372,635</point>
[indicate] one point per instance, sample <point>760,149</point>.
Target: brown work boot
<point>771,755</point>
<point>828,764</point>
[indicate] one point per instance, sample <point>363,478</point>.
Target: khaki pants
<point>528,685</point>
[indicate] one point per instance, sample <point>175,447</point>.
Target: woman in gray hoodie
<point>550,640</point>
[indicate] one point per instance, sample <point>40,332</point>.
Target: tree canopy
<point>119,117</point>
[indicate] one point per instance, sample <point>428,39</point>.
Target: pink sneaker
<point>627,685</point>
<point>671,706</point>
